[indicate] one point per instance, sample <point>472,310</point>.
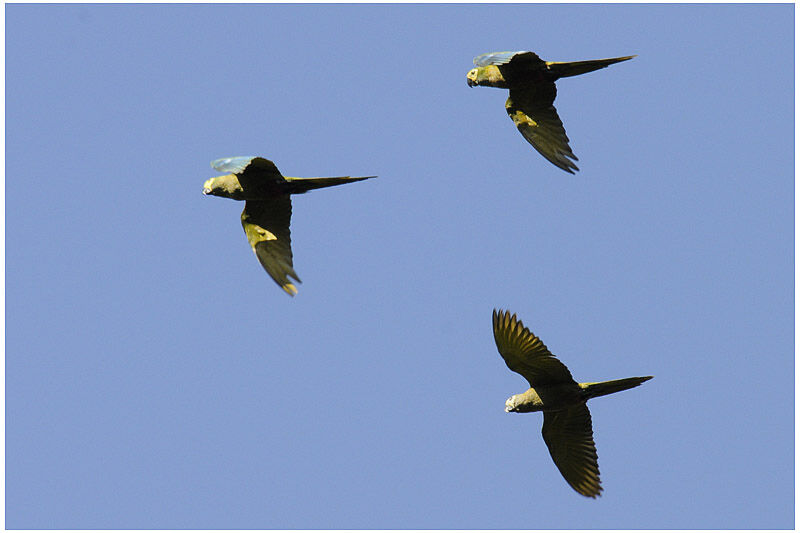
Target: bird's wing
<point>233,165</point>
<point>520,57</point>
<point>237,165</point>
<point>266,224</point>
<point>258,176</point>
<point>536,119</point>
<point>525,353</point>
<point>568,435</point>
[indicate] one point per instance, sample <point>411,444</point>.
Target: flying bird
<point>567,427</point>
<point>531,91</point>
<point>267,208</point>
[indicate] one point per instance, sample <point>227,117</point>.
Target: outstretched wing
<point>525,353</point>
<point>266,224</point>
<point>503,58</point>
<point>533,113</point>
<point>568,435</point>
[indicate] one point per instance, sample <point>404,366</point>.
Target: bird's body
<point>567,427</point>
<point>564,395</point>
<point>268,208</point>
<point>532,91</point>
<point>545,398</point>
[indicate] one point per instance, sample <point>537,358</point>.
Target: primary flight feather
<point>267,208</point>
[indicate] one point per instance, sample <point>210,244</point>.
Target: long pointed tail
<point>602,388</point>
<point>300,185</point>
<point>573,68</point>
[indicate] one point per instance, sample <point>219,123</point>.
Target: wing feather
<point>568,435</point>
<point>233,165</point>
<point>503,58</point>
<point>536,119</point>
<point>253,164</point>
<point>525,354</point>
<point>266,224</point>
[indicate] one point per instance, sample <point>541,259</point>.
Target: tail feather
<point>602,388</point>
<point>573,68</point>
<point>300,185</point>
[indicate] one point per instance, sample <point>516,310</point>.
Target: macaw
<point>567,427</point>
<point>531,91</point>
<point>267,208</point>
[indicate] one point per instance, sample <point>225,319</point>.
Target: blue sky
<point>157,378</point>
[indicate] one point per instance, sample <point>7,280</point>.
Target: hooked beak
<point>509,406</point>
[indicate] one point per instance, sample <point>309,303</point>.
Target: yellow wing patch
<point>521,118</point>
<point>269,236</point>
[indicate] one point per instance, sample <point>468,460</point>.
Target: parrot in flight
<point>567,427</point>
<point>267,208</point>
<point>531,91</point>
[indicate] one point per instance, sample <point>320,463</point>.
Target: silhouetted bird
<point>567,427</point>
<point>532,90</point>
<point>267,208</point>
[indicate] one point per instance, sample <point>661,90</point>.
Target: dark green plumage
<point>532,91</point>
<point>268,208</point>
<point>567,427</point>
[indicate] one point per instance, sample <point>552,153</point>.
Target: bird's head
<point>488,76</point>
<point>472,77</point>
<point>227,186</point>
<point>523,403</point>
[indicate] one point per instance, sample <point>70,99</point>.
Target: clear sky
<point>157,378</point>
